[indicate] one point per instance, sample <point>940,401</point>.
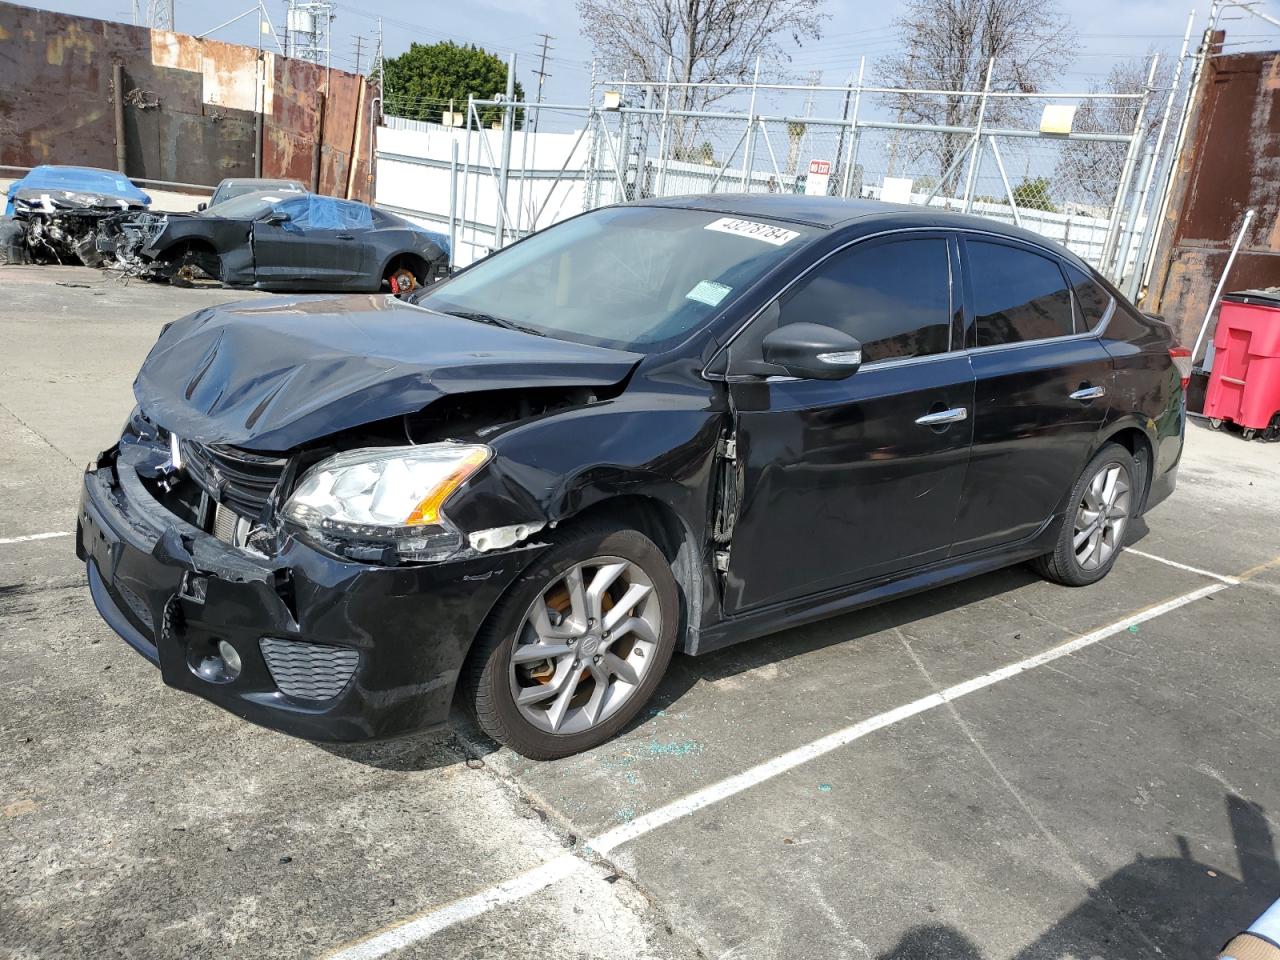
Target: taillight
<point>1181,358</point>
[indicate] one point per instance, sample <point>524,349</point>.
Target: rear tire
<point>608,643</point>
<point>402,280</point>
<point>1091,534</point>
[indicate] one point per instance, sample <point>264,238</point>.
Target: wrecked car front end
<point>282,536</point>
<point>129,241</point>
<point>63,226</point>
<point>282,632</point>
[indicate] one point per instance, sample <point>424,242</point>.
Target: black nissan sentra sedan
<point>672,425</point>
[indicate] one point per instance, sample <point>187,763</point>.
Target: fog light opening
<point>230,659</point>
<point>215,661</point>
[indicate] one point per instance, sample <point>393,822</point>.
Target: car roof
<point>76,169</point>
<point>86,178</point>
<point>868,216</point>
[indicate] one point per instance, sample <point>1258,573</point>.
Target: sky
<point>1108,30</point>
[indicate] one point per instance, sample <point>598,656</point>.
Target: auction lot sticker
<point>750,228</point>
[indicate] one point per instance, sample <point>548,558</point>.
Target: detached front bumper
<point>329,649</point>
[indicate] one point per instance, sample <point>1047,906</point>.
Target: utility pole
<point>375,74</point>
<point>542,75</point>
<point>359,51</point>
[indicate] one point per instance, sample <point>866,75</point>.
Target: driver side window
<point>894,296</point>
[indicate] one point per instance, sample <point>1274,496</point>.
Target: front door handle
<point>345,236</point>
<point>1089,393</point>
<point>954,415</point>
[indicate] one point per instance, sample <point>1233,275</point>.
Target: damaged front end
<point>127,242</point>
<point>281,591</point>
<point>314,542</point>
<point>64,226</point>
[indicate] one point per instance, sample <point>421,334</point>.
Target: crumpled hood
<point>54,200</point>
<point>270,375</point>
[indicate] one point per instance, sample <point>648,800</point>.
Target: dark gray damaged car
<point>281,241</point>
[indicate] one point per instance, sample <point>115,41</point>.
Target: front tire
<point>1091,534</point>
<point>577,645</point>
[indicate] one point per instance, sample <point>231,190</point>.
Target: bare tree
<point>948,44</point>
<point>1088,171</point>
<point>707,41</point>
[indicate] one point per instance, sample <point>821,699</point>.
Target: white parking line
<point>35,536</point>
<point>541,877</point>
<point>1230,581</point>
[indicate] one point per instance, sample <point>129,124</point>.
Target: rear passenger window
<point>1092,299</point>
<point>1017,295</point>
<point>895,297</point>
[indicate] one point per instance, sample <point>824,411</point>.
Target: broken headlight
<point>386,498</point>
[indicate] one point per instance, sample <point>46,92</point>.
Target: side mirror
<point>813,351</point>
<point>276,216</point>
<point>202,206</point>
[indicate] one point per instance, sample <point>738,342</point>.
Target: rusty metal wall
<point>1231,163</point>
<point>191,105</point>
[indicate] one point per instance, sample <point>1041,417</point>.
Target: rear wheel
<point>1091,536</point>
<point>402,280</point>
<point>577,646</point>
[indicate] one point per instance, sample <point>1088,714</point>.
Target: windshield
<point>635,278</point>
<point>248,207</point>
<point>230,190</point>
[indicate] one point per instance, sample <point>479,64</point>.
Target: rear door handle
<point>954,415</point>
<point>1089,393</point>
<point>345,236</point>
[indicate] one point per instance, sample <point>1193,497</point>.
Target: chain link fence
<point>1063,165</point>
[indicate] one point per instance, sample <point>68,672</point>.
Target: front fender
<point>551,468</point>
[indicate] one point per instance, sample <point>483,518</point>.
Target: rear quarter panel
<point>1146,391</point>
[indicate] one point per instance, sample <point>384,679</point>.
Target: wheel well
<point>1139,447</point>
<point>663,526</point>
<point>187,246</point>
<point>416,264</point>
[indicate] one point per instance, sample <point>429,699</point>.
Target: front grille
<point>309,670</point>
<point>241,480</point>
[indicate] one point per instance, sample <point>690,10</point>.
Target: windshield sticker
<point>757,231</point>
<point>708,292</point>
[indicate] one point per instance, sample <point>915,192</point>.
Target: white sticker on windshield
<point>757,231</point>
<point>708,292</point>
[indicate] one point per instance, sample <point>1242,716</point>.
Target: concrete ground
<point>876,786</point>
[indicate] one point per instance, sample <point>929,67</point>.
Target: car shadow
<point>1174,906</point>
<point>685,672</point>
<point>407,754</point>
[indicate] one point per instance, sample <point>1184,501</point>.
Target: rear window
<point>1092,299</point>
<point>1017,295</point>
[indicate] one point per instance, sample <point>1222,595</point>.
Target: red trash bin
<point>1244,385</point>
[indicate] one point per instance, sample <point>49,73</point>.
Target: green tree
<point>1034,195</point>
<point>420,83</point>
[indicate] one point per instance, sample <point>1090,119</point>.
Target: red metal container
<point>1244,385</point>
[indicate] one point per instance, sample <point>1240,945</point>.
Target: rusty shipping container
<point>1231,164</point>
<point>190,106</point>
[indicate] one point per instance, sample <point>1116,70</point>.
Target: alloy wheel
<point>585,645</point>
<point>1101,517</point>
